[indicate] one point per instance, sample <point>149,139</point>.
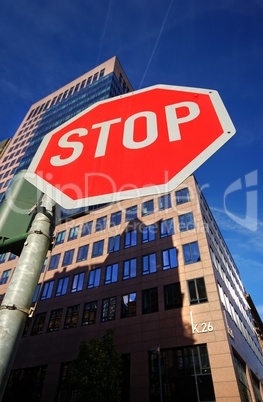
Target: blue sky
<point>197,43</point>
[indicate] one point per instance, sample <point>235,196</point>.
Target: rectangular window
<point>62,286</point>
<point>54,261</point>
<point>197,291</point>
<point>164,202</point>
<point>111,273</point>
<point>129,268</point>
<point>114,243</point>
<point>86,228</point>
<point>12,257</point>
<point>94,278</point>
<point>73,233</point>
<point>101,223</point>
<point>102,72</point>
<point>172,296</point>
<point>150,301</point>
<point>44,265</point>
<point>169,258</point>
<point>190,367</point>
<point>77,284</point>
<point>89,313</point>
<point>108,309</point>
<point>191,253</point>
<point>68,257</point>
<point>2,258</point>
<point>147,208</point>
<point>35,295</point>
<point>39,323</point>
<point>186,222</point>
<point>128,305</point>
<point>149,233</point>
<point>167,227</point>
<point>5,276</point>
<point>71,319</point>
<point>130,239</point>
<point>149,264</point>
<point>47,290</point>
<point>131,213</point>
<point>97,248</point>
<point>115,218</point>
<point>60,237</point>
<point>82,253</point>
<point>54,320</point>
<point>182,196</point>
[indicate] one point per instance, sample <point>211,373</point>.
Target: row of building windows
<point>63,95</point>
<point>149,304</point>
<point>251,338</point>
<point>185,221</point>
<point>110,273</point>
<point>149,264</point>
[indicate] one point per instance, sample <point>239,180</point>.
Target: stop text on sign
<point>137,144</point>
<point>173,122</point>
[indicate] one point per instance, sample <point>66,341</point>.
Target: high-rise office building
<point>155,269</point>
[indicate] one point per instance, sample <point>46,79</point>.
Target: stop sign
<point>132,145</point>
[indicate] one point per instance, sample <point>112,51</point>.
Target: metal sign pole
<point>18,298</point>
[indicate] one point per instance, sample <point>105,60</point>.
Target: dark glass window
<point>149,233</point>
<point>73,233</point>
<point>186,222</point>
<point>97,248</point>
<point>94,278</point>
<point>62,286</point>
<point>131,213</point>
<point>167,227</point>
<point>54,320</point>
<point>39,323</point>
<point>71,319</point>
<point>182,196</point>
<point>128,305</point>
<point>149,301</point>
<point>3,258</point>
<point>114,244</point>
<point>47,290</point>
<point>54,261</point>
<point>164,202</point>
<point>86,228</point>
<point>111,273</point>
<point>129,268</point>
<point>197,291</point>
<point>108,309</point>
<point>5,276</point>
<point>169,258</point>
<point>172,296</point>
<point>35,296</point>
<point>89,313</point>
<point>60,237</point>
<point>77,284</point>
<point>147,208</point>
<point>101,223</point>
<point>191,253</point>
<point>190,370</point>
<point>130,239</point>
<point>149,264</point>
<point>115,218</point>
<point>68,257</point>
<point>12,257</point>
<point>82,253</point>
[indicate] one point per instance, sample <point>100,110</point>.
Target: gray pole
<point>18,298</point>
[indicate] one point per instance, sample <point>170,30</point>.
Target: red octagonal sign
<point>144,142</point>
